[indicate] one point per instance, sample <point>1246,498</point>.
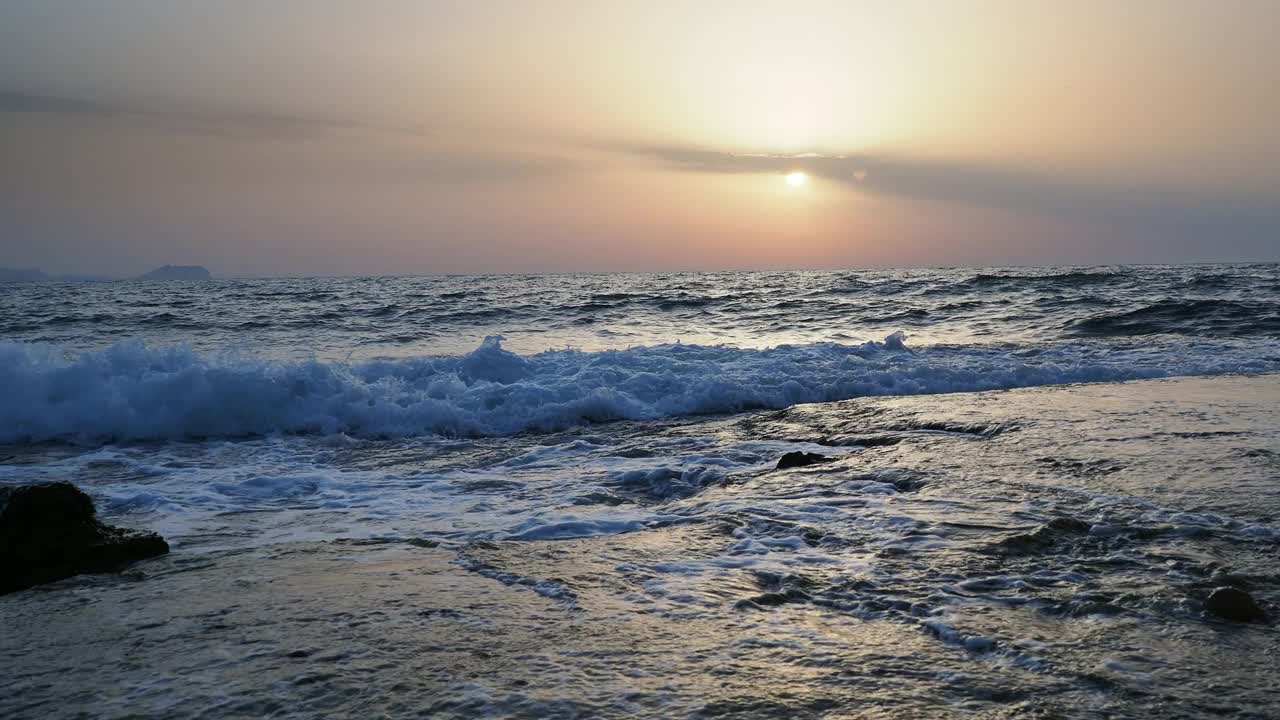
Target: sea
<point>558,495</point>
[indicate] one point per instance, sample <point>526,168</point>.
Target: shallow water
<point>1040,552</point>
<point>375,509</point>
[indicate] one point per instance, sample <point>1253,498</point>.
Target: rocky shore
<point>50,531</point>
<point>1092,551</point>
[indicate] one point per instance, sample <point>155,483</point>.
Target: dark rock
<point>1234,604</point>
<point>800,459</point>
<point>48,532</point>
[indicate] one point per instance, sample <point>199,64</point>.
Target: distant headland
<point>178,272</point>
<point>188,273</point>
<point>29,275</point>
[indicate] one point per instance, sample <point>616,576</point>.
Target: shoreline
<point>1044,550</point>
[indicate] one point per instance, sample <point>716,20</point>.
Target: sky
<point>298,137</point>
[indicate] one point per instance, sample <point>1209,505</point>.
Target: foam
<point>132,391</point>
<point>573,527</point>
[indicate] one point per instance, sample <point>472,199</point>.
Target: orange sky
<point>321,136</point>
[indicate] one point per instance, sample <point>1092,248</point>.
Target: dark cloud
<point>433,158</point>
<point>995,187</point>
<point>182,118</point>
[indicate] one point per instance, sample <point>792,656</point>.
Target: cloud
<point>232,122</point>
<point>414,157</point>
<point>993,187</point>
<point>476,167</point>
<point>20,102</point>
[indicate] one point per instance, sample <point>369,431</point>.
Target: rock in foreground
<point>49,532</point>
<point>800,459</point>
<point>1234,604</point>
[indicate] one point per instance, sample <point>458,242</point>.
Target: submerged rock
<point>800,459</point>
<point>48,532</point>
<point>773,599</point>
<point>1045,538</point>
<point>1234,604</point>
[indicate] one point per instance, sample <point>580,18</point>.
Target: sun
<point>797,179</point>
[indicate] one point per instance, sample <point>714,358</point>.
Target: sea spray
<point>133,391</point>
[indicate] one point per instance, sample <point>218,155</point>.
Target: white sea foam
<point>132,391</point>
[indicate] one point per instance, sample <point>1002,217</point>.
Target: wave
<point>1070,278</point>
<point>131,392</point>
<point>682,301</point>
<point>1186,317</point>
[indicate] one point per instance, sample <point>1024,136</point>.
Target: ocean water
<point>496,355</point>
<point>1035,477</point>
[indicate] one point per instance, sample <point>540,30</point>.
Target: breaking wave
<point>131,391</point>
